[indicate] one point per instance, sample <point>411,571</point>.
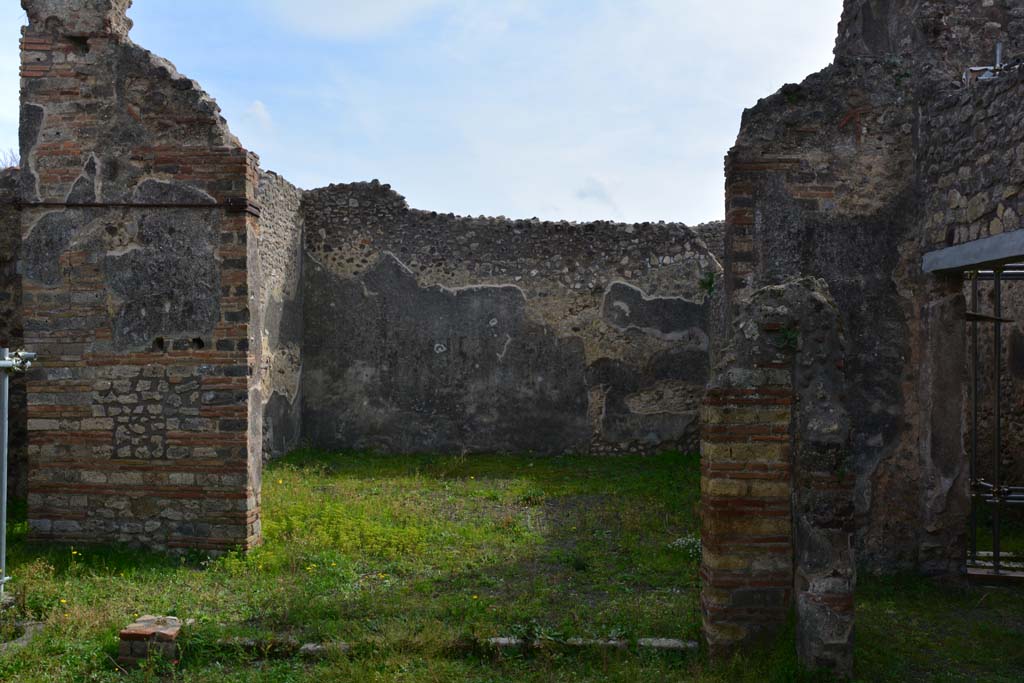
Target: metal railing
<point>992,493</point>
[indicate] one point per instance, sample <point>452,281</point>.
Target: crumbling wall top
<point>874,27</point>
<point>941,36</point>
<point>80,17</point>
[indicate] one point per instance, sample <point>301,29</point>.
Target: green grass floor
<point>412,559</point>
<point>1011,529</point>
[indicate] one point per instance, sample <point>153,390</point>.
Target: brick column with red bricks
<point>746,532</point>
<point>137,212</point>
<point>776,490</point>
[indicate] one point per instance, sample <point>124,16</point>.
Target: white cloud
<point>258,114</point>
<point>352,19</point>
<point>646,96</point>
<point>594,190</point>
<point>551,108</point>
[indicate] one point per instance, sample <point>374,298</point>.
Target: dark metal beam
<point>978,254</point>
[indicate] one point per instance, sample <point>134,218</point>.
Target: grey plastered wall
<point>280,307</point>
<point>430,332</point>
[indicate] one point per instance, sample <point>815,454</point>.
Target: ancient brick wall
<point>817,185</point>
<point>193,313</point>
<point>777,512</point>
<point>135,292</point>
<point>428,331</point>
<point>746,518</point>
<point>11,333</point>
<point>848,176</point>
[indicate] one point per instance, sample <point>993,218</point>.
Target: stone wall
<point>941,36</point>
<point>427,331</point>
<point>973,161</point>
<point>11,333</point>
<point>972,174</point>
<point>848,177</point>
<point>713,234</point>
<point>280,304</point>
<point>135,225</point>
<point>816,185</point>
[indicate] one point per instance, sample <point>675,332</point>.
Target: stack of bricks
<point>137,220</point>
<point>149,637</point>
<point>746,525</point>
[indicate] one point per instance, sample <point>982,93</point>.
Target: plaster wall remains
<point>279,297</point>
<point>852,177</point>
<point>135,292</point>
<point>194,313</point>
<point>431,332</point>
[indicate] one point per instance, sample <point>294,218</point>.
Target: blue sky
<point>560,109</point>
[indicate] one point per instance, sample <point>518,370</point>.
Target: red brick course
<point>146,446</point>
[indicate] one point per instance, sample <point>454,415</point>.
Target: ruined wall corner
<point>776,485</point>
<point>81,18</point>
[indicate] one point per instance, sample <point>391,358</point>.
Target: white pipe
<point>4,396</point>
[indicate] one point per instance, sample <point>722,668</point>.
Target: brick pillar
<point>776,482</point>
<point>138,212</point>
<point>746,525</point>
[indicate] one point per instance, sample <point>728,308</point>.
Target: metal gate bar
<point>974,416</point>
<point>997,359</point>
<point>983,491</point>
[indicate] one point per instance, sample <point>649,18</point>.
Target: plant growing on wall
<point>707,283</point>
<point>788,338</point>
